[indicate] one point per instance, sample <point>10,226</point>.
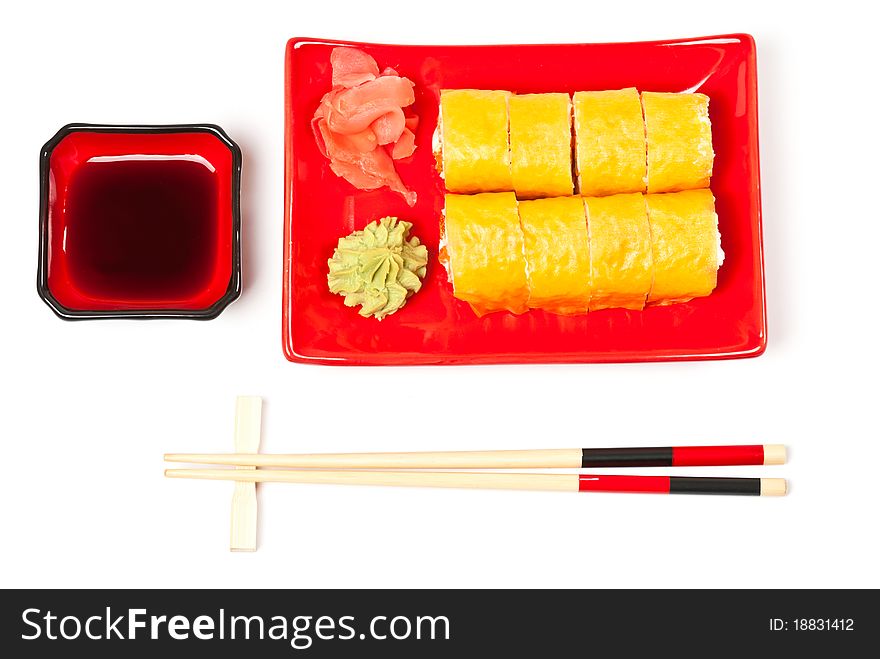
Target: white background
<point>89,408</point>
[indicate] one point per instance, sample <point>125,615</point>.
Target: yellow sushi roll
<point>474,141</point>
<point>622,264</point>
<point>484,245</point>
<point>609,142</point>
<point>540,145</point>
<point>557,253</point>
<point>679,133</point>
<point>686,245</point>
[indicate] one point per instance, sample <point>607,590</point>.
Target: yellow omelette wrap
<point>609,142</point>
<point>557,253</point>
<point>474,142</point>
<point>686,245</point>
<point>620,247</point>
<point>540,145</point>
<point>484,246</point>
<point>679,136</point>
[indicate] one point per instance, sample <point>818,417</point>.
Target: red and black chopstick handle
<point>683,456</point>
<point>682,485</point>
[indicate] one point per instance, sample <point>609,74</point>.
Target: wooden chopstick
<point>501,481</point>
<point>668,456</point>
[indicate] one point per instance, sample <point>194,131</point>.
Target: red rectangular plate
<point>434,327</point>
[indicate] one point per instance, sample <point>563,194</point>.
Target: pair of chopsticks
<point>439,469</point>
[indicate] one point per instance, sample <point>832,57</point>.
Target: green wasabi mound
<point>378,268</point>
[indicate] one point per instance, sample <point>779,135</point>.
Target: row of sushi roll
<point>624,142</point>
<point>570,255</point>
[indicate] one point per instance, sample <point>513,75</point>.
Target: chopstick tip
<point>774,487</point>
<point>775,454</point>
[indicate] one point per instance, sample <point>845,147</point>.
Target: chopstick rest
<point>243,523</point>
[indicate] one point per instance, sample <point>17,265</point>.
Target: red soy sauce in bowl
<point>137,228</point>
